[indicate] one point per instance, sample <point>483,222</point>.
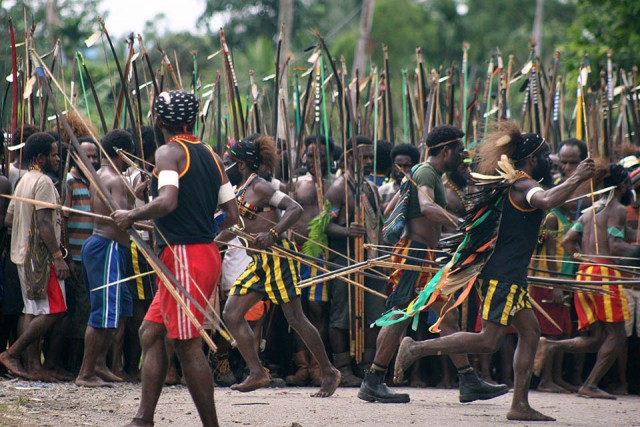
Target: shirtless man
<point>341,232</point>
<point>315,299</point>
<point>603,315</point>
<point>502,282</point>
<point>426,216</point>
<point>269,274</point>
<point>104,261</point>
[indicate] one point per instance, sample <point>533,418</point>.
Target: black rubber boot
<point>472,387</point>
<point>373,389</point>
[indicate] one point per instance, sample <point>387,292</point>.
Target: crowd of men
<point>234,233</point>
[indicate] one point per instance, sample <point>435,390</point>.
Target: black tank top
<point>192,221</point>
<point>517,238</point>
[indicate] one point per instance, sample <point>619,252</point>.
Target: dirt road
<point>33,404</point>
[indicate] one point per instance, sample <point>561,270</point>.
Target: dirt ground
<point>25,403</point>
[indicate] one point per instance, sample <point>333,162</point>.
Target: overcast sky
<point>130,15</point>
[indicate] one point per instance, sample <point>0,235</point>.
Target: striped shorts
<point>592,307</point>
<point>501,300</point>
<point>270,274</point>
<point>104,262</point>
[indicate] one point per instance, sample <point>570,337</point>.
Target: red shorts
<point>560,313</point>
<point>196,266</point>
<point>592,307</point>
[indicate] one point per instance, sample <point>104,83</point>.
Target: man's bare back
<point>122,198</point>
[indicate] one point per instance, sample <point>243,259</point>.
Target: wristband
<point>274,233</point>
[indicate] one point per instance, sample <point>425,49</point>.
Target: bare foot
<point>621,390</point>
<point>105,374</point>
<point>417,383</point>
<point>12,364</point>
<point>403,360</point>
<point>329,383</point>
<point>252,382</point>
<point>541,355</point>
<point>172,378</point>
<point>61,374</point>
<point>139,422</point>
<point>94,381</point>
<point>594,393</point>
<point>42,375</point>
<point>567,386</point>
<point>527,413</point>
<point>550,387</point>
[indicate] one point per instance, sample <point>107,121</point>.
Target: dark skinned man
<point>184,214</point>
<point>104,261</point>
<point>42,309</point>
<point>502,282</point>
<point>426,216</point>
<point>315,299</point>
<point>269,275</point>
<point>602,315</point>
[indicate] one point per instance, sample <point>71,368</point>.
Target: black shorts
<point>272,274</point>
<point>501,300</point>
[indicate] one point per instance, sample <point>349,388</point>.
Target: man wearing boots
<point>425,218</point>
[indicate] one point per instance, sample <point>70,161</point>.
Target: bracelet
<point>274,233</point>
<point>57,254</point>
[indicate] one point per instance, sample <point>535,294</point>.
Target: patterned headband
<point>176,107</point>
<point>245,151</point>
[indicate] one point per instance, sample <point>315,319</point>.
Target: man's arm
<point>556,196</point>
<point>291,213</point>
<point>615,232</point>
<point>336,196</point>
<point>571,240</point>
<point>168,158</point>
<point>229,207</point>
<point>47,234</point>
<point>5,188</point>
<point>433,212</point>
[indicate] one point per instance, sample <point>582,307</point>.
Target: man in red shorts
<point>603,314</point>
<point>184,211</point>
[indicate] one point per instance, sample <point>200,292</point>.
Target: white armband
<point>276,198</point>
<point>531,192</point>
<point>225,194</point>
<point>168,178</point>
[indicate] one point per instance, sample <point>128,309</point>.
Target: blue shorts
<point>317,292</point>
<point>104,261</point>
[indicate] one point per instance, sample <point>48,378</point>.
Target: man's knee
<point>150,333</point>
<point>491,338</point>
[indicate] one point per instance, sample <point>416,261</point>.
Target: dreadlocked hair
<point>266,150</point>
<point>501,139</point>
<point>80,125</point>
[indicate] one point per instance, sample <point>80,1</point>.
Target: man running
<point>502,282</point>
<point>271,274</point>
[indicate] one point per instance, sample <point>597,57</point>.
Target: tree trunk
<point>364,45</point>
<point>537,26</point>
<point>285,18</point>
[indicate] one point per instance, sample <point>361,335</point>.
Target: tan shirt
<point>38,186</point>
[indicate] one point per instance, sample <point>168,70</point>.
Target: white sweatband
<point>276,198</point>
<point>531,192</point>
<point>168,177</point>
<point>225,193</point>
